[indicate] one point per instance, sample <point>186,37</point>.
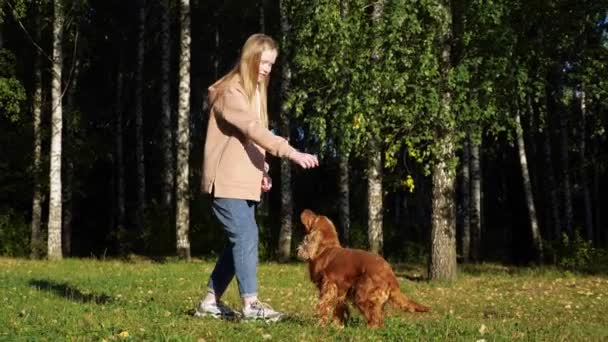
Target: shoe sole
<point>270,320</point>
<point>216,316</point>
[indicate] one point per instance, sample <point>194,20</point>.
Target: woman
<point>235,173</point>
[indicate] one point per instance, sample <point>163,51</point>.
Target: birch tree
<point>182,219</point>
<point>442,258</point>
<point>374,168</point>
<point>36,239</point>
<point>523,163</point>
<point>54,250</point>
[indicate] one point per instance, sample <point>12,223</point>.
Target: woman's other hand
<point>266,183</point>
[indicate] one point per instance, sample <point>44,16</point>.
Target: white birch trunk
<point>374,195</point>
<point>182,220</point>
<point>527,185</point>
<point>36,241</point>
<point>55,206</point>
<point>374,168</point>
<point>442,263</point>
<point>442,259</point>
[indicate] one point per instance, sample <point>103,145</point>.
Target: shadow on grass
<point>70,292</point>
<point>410,272</point>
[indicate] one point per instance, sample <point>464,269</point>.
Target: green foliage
<point>12,93</point>
<point>17,8</point>
<point>14,231</point>
<point>344,93</point>
<point>578,254</point>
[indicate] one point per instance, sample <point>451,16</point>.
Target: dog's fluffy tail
<point>405,303</point>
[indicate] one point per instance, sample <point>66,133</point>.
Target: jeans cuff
<point>249,295</point>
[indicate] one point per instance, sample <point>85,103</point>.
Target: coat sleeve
<point>236,111</point>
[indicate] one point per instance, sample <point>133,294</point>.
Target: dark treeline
<point>445,129</point>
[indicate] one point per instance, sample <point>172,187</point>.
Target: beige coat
<point>235,146</point>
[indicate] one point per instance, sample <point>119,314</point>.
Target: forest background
<point>448,131</point>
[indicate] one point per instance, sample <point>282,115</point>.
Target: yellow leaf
<point>483,329</point>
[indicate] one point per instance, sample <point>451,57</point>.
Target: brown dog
<point>365,278</point>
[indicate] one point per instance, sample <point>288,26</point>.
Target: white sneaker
<point>263,311</point>
<point>214,309</point>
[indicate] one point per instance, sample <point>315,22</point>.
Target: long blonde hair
<point>247,69</point>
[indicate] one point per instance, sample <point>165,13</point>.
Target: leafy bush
<point>14,231</point>
<point>577,254</point>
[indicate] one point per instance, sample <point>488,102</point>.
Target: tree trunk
<point>120,228</point>
<point>285,232</point>
<point>262,9</point>
<point>344,197</point>
<point>344,171</point>
<point>597,199</point>
<point>583,167</point>
<point>36,242</point>
<point>374,168</point>
<point>475,203</point>
<point>374,195</point>
<point>527,185</point>
<point>442,259</point>
<point>69,156</point>
<point>466,200</point>
<point>168,170</point>
<point>216,55</point>
<point>550,183</point>
<point>139,119</point>
<point>565,168</point>
<point>182,219</point>
<point>442,263</point>
<point>55,205</point>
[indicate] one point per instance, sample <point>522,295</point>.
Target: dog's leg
<point>370,299</point>
<point>371,308</point>
<point>327,301</point>
<point>341,312</point>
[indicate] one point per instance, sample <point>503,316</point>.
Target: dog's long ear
<point>308,218</point>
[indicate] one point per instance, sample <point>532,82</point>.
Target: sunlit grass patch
<point>85,299</point>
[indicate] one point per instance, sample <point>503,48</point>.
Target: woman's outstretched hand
<point>305,160</point>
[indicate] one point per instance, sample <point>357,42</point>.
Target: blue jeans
<point>240,257</point>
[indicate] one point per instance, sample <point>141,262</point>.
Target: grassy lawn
<point>83,299</point>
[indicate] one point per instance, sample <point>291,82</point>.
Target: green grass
<point>83,299</point>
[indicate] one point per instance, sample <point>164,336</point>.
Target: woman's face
<point>266,62</point>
